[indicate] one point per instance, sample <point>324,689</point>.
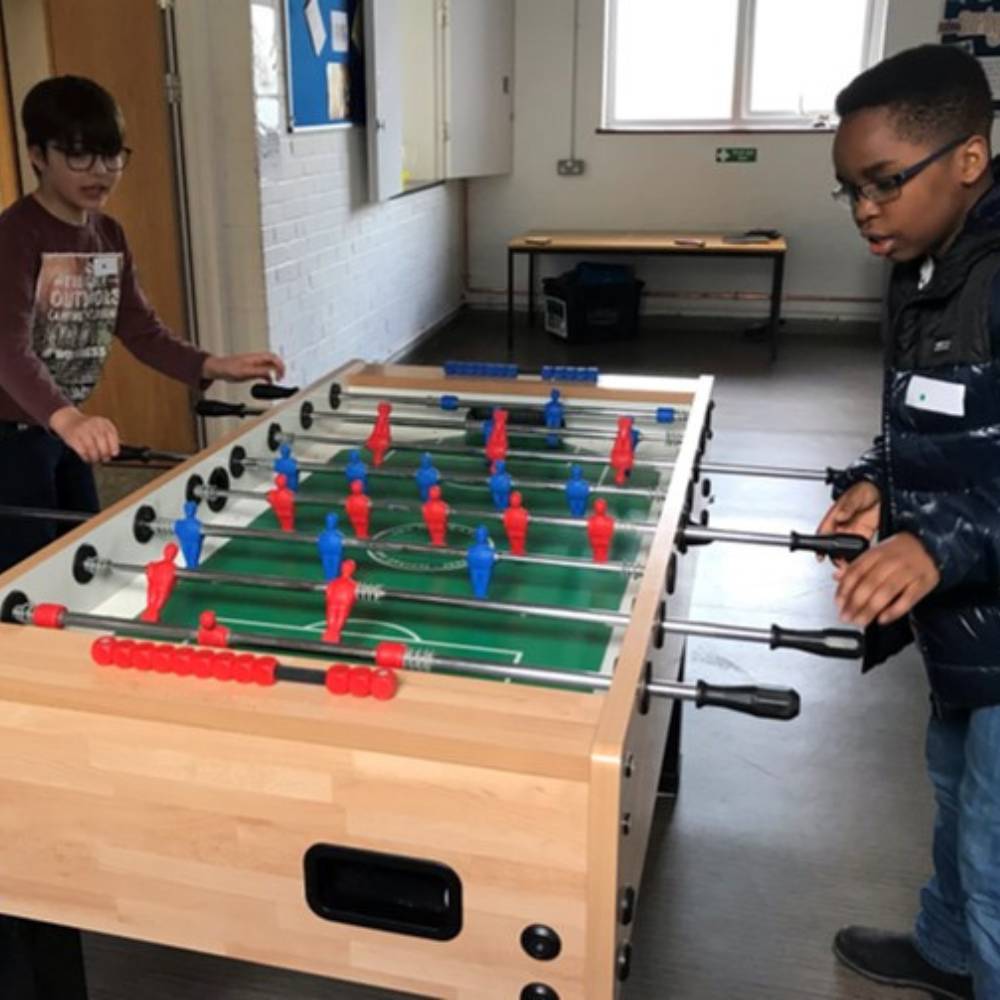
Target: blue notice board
<point>325,63</point>
<point>975,25</point>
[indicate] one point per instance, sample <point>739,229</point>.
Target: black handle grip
<point>840,643</point>
<point>132,453</point>
<point>217,408</point>
<point>761,701</point>
<point>839,545</point>
<point>832,474</point>
<point>142,453</point>
<point>268,390</point>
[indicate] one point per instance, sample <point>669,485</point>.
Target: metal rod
<point>383,545</point>
<point>513,429</point>
<point>44,514</point>
<point>725,469</point>
<point>326,500</point>
<point>681,410</point>
<point>470,452</point>
<point>694,534</point>
<point>375,594</point>
<point>532,484</point>
<point>419,660</point>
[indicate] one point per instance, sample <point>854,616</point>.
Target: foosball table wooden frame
<point>185,814</point>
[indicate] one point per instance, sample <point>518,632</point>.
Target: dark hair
<point>74,113</point>
<point>932,92</point>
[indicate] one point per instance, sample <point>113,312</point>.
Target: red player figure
<point>210,632</point>
<point>358,508</point>
<point>622,452</point>
<point>282,501</point>
<point>496,446</point>
<point>341,594</point>
<point>515,522</point>
<point>435,512</point>
<point>161,574</point>
<point>600,528</point>
<point>381,436</point>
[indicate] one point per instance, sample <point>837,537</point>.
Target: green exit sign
<point>736,154</point>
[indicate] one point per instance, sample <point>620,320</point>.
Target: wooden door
<point>120,44</point>
<point>10,185</point>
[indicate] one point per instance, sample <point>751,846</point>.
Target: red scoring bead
<point>384,684</point>
<point>243,668</point>
<point>338,678</point>
<point>163,659</point>
<point>264,670</point>
<point>102,651</point>
<point>182,661</point>
<point>224,666</point>
<point>48,615</point>
<point>361,682</point>
<point>390,654</point>
<point>204,663</point>
<point>123,652</point>
<point>142,655</point>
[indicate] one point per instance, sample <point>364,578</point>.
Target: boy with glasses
<point>67,286</point>
<point>912,156</point>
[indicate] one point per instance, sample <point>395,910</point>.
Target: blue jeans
<point>958,927</point>
<point>38,470</point>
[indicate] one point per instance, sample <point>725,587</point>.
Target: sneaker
<point>893,960</point>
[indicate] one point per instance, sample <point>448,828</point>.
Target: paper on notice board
<point>340,34</point>
<point>338,93</point>
<point>317,30</point>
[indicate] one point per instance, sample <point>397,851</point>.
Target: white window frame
<point>741,118</point>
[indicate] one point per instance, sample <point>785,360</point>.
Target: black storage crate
<point>593,302</point>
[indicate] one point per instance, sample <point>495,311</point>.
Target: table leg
<point>670,769</point>
<point>510,303</point>
<point>777,281</point>
<point>531,289</point>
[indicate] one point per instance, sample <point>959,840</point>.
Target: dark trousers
<point>38,470</point>
<point>39,961</point>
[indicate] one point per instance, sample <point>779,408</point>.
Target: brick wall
<point>345,278</point>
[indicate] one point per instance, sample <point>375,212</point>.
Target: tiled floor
<point>782,831</point>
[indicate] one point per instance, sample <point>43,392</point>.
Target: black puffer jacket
<point>939,472</point>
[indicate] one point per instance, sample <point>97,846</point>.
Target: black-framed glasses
<point>884,189</point>
<point>81,160</point>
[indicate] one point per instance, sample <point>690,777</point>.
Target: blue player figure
<point>426,476</point>
<point>500,485</point>
<point>356,469</point>
<point>481,559</point>
<point>190,535</point>
<point>331,547</point>
<point>554,412</point>
<point>577,492</point>
<point>487,429</point>
<point>286,466</point>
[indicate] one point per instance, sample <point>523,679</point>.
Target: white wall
<point>669,182</point>
<point>344,278</point>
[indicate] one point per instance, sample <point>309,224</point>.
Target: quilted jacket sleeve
<point>870,466</point>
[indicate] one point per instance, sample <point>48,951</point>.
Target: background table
<point>641,243</point>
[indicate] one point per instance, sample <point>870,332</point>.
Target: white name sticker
<point>935,396</point>
<point>105,264</point>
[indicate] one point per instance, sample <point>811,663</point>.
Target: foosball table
<point>465,595</point>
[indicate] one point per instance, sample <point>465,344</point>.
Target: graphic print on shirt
<point>76,308</point>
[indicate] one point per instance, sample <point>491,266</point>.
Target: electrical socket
<point>570,167</point>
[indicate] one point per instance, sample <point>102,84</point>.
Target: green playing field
<point>453,632</point>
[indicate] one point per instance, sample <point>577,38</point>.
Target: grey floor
<point>782,832</point>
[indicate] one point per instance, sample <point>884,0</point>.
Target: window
<point>734,64</point>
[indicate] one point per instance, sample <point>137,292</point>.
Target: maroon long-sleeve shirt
<point>65,291</point>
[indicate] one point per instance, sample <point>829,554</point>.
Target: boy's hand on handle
<point>886,582</point>
<point>94,439</point>
<point>856,512</point>
<point>244,367</point>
